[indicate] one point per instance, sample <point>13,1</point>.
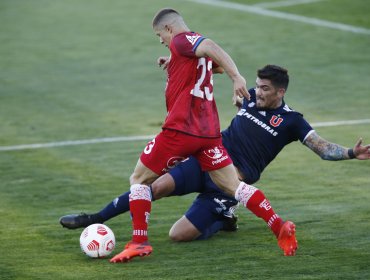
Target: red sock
<point>140,207</point>
<point>253,199</point>
<point>259,205</point>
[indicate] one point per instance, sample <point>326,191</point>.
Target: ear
<point>281,92</point>
<point>168,28</point>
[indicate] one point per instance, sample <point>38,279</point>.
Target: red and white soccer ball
<point>97,241</point>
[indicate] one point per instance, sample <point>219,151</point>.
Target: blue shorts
<point>211,205</point>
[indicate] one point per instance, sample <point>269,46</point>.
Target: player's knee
<point>163,186</point>
<point>135,178</point>
<point>179,236</point>
<point>142,175</point>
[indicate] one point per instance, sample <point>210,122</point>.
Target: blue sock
<point>208,232</point>
<point>118,206</point>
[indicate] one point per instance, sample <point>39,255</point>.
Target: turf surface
<point>86,69</point>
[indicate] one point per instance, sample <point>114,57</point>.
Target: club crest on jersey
<point>217,155</point>
<point>192,39</point>
<point>172,162</point>
<point>275,121</point>
<point>214,153</point>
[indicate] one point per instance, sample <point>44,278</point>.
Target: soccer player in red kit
<point>190,128</point>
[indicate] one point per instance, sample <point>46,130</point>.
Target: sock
<point>117,206</point>
<point>140,207</point>
<point>254,200</point>
<point>215,227</point>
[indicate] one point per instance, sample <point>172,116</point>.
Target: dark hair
<point>161,14</point>
<point>277,75</point>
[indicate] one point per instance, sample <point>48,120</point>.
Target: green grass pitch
<point>85,69</point>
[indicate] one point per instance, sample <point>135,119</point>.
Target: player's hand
<point>163,61</point>
<point>360,151</point>
<point>238,101</point>
<point>240,87</point>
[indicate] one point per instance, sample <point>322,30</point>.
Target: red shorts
<point>170,147</point>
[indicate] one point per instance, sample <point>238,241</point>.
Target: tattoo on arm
<point>325,149</point>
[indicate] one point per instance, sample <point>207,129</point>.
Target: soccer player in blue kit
<point>263,126</point>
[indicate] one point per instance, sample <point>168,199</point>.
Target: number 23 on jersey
<point>204,86</point>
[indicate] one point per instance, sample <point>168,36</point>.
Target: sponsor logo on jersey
<point>275,121</point>
<point>258,122</point>
<point>192,39</point>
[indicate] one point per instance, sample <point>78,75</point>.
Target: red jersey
<point>191,107</point>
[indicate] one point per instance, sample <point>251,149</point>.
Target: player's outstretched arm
<point>208,48</point>
<point>332,151</point>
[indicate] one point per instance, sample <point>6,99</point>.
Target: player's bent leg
<point>287,240</point>
<point>255,200</point>
<point>183,230</point>
<point>140,207</point>
<point>163,186</point>
<point>226,179</point>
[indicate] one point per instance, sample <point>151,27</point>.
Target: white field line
<point>338,123</point>
<point>285,16</point>
<point>285,3</point>
<point>144,137</point>
<point>75,142</point>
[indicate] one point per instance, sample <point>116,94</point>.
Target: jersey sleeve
<point>187,43</point>
<point>303,128</point>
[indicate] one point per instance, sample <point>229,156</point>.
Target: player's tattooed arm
<point>325,149</point>
<point>331,151</point>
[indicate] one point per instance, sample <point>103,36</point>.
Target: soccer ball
<point>97,241</point>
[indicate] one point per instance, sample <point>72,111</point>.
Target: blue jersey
<point>255,137</point>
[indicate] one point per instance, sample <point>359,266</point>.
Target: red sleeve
<point>186,43</point>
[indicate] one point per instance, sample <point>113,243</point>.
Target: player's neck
<point>179,28</point>
<point>276,105</point>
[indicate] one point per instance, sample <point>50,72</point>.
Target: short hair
<point>277,75</point>
<point>162,14</point>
